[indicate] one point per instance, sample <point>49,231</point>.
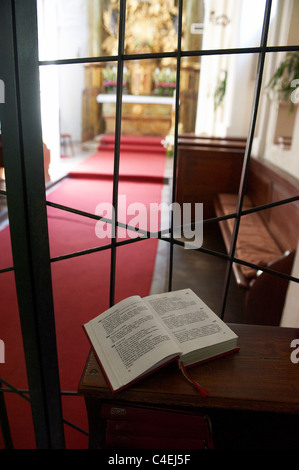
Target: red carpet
<point>80,284</point>
<point>141,159</point>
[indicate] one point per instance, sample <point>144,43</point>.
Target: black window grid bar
<point>262,51</point>
<point>162,235</point>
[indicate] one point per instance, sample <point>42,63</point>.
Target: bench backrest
<point>267,183</point>
<point>205,170</point>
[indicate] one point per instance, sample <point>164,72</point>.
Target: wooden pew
<point>268,235</point>
<point>205,172</point>
<point>206,166</point>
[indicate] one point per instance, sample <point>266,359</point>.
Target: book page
<point>129,340</point>
<point>193,324</point>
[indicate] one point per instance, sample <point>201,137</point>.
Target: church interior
<point>216,93</point>
<point>198,112</point>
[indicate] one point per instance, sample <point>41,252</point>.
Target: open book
<point>138,335</point>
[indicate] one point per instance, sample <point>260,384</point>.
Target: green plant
<point>285,79</point>
<point>220,90</point>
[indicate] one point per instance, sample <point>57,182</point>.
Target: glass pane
<point>79,171</point>
<point>270,299</point>
<point>193,23</point>
<point>135,277</point>
<point>72,29</point>
<point>266,236</point>
<point>19,409</point>
<point>269,239</point>
<point>80,286</point>
<point>277,124</point>
<point>189,87</point>
<point>81,292</point>
<point>210,162</point>
<point>290,316</point>
<point>225,95</point>
<point>283,25</point>
<point>71,233</point>
<point>71,115</point>
<point>151,26</point>
<point>201,272</point>
<point>227,25</point>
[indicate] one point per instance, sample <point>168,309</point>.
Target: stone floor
<point>203,273</point>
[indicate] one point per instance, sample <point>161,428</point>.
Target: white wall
<point>63,33</point>
<point>243,30</point>
<point>72,23</point>
<point>286,32</point>
<point>49,83</point>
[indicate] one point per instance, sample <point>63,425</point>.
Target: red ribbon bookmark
<point>202,390</point>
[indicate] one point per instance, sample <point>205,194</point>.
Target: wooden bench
<point>205,167</point>
<point>268,238</point>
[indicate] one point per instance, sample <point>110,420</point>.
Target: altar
<point>141,114</point>
<point>148,83</point>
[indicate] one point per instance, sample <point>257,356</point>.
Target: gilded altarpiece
<point>151,27</point>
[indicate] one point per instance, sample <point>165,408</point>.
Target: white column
<point>49,85</point>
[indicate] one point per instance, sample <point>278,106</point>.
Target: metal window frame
<point>27,202</point>
<point>23,159</point>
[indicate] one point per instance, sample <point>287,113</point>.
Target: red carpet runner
<point>81,284</point>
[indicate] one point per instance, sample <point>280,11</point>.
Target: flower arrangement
<point>110,79</point>
<point>168,144</point>
<point>164,82</point>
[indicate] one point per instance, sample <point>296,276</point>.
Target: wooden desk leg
<point>96,424</point>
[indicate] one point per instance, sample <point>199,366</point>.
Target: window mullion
<point>119,90</point>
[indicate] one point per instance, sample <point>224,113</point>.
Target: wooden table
<point>253,399</point>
